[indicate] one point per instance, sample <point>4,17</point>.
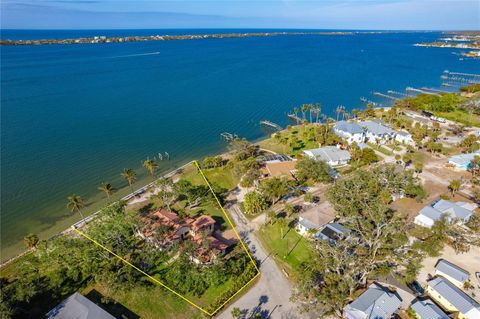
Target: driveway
<point>271,294</point>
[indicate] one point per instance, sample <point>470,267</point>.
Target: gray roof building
<point>453,271</point>
<point>330,154</point>
<point>78,307</point>
<point>376,128</point>
<point>351,128</point>
<point>377,302</point>
<point>331,232</point>
<point>454,295</point>
<point>458,210</point>
<point>426,309</point>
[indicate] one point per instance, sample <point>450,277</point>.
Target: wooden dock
<point>420,91</point>
<point>271,124</point>
<point>386,96</point>
<point>295,118</point>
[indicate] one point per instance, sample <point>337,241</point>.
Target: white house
<point>377,132</point>
<point>304,226</point>
<point>78,306</point>
<point>404,138</point>
<point>462,161</point>
<point>332,232</point>
<point>351,132</point>
<point>332,155</point>
<point>460,211</point>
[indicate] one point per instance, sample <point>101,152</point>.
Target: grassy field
<point>147,302</point>
<point>220,176</point>
<point>461,117</point>
<point>290,251</point>
<point>297,131</point>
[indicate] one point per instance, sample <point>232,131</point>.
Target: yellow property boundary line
<point>170,289</point>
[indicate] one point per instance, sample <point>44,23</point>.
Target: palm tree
<point>107,188</point>
<point>130,176</point>
<point>310,108</point>
<point>151,166</point>
<point>75,203</point>
<point>295,110</point>
<point>304,111</point>
<point>318,109</point>
<point>454,186</point>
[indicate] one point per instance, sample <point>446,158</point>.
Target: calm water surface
<point>74,116</point>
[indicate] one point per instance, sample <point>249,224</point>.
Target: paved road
<point>270,295</point>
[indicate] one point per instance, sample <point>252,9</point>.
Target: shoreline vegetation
<point>104,39</point>
<point>458,40</point>
<point>465,118</point>
<point>68,263</point>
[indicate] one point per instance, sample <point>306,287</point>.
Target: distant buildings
<point>78,307</point>
<point>378,302</point>
<point>462,161</point>
<point>452,299</point>
<point>461,211</point>
<point>332,155</point>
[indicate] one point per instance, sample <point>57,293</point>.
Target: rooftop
<point>459,210</point>
<point>452,270</point>
<point>377,302</point>
<point>329,153</point>
<point>426,309</point>
<point>376,128</point>
<point>453,295</point>
<point>351,128</point>
<point>463,159</point>
<point>277,169</point>
<point>78,307</point>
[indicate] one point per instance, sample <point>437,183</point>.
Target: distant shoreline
<point>104,39</point>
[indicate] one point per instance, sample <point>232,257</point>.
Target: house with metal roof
<point>460,211</point>
<point>377,132</point>
<point>332,155</point>
<point>452,299</point>
<point>427,309</point>
<point>378,302</point>
<point>331,232</point>
<point>462,161</point>
<point>78,307</point>
<point>304,226</point>
<point>351,132</point>
<point>452,272</point>
<point>404,138</point>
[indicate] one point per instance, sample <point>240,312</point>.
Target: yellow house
<point>452,272</point>
<point>452,299</point>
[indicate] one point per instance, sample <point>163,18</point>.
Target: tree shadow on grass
<point>113,307</point>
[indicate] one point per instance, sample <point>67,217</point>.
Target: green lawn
<point>290,252</point>
<point>382,150</point>
<point>461,117</point>
<point>303,142</point>
<point>220,176</point>
<point>147,302</point>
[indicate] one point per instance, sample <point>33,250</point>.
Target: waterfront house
<point>331,232</point>
<point>376,132</point>
<point>404,138</point>
<point>209,248</point>
<point>281,169</point>
<point>459,211</point>
<point>452,299</point>
<point>351,132</point>
<point>462,161</point>
<point>452,272</point>
<point>427,309</point>
<point>78,306</point>
<point>203,224</point>
<point>332,155</point>
<point>378,302</point>
<point>304,226</point>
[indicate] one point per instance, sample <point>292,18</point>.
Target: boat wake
<point>134,55</point>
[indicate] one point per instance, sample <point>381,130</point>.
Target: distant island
<point>460,40</point>
<point>105,39</point>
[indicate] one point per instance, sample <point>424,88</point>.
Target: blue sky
<point>319,14</point>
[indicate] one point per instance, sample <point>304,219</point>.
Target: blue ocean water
<point>73,116</point>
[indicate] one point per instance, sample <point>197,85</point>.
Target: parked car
<point>416,288</point>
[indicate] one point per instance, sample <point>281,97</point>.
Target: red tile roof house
<point>200,230</point>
